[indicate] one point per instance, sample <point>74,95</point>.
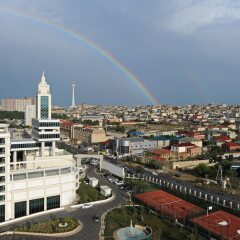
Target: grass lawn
<point>140,186</point>
<point>88,193</point>
<point>119,218</point>
<point>51,226</point>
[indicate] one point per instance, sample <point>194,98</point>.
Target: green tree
<point>11,115</point>
<point>201,170</point>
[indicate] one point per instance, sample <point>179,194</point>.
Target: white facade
<point>35,176</point>
<point>179,149</point>
<point>30,113</point>
<point>93,181</point>
<point>113,168</point>
<point>105,191</point>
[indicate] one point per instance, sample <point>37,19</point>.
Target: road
<point>90,229</point>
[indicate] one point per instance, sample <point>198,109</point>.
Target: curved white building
<point>35,176</point>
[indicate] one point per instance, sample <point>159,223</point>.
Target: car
<point>86,205</point>
<point>96,218</point>
<point>118,183</point>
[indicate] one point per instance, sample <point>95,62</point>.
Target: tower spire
<point>43,79</point>
<point>73,92</point>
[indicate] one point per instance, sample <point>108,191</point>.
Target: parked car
<point>119,183</point>
<point>86,205</point>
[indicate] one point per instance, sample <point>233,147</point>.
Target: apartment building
<point>17,104</point>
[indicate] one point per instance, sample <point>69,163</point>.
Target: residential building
<point>17,104</point>
<point>30,113</point>
<point>88,134</point>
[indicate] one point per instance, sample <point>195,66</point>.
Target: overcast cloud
<point>185,51</point>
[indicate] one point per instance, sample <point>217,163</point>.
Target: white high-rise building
<point>36,176</point>
<point>30,114</point>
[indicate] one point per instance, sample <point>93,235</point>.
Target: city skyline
<point>167,53</point>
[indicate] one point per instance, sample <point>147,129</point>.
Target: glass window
<point>21,176</point>
<point>36,205</point>
<point>2,213</point>
<point>52,172</point>
<point>20,209</point>
<point>53,202</point>
<point>35,174</point>
<point>65,170</point>
<point>44,107</point>
<point>2,179</point>
<point>2,198</point>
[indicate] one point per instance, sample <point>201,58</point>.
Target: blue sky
<point>185,51</point>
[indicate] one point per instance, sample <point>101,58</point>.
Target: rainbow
<point>91,45</point>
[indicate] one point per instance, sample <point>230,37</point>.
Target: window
<point>2,160</point>
<point>2,169</point>
<point>65,170</point>
<point>21,176</point>
<point>2,213</point>
<point>2,150</point>
<point>35,174</point>
<point>52,172</point>
<point>53,202</point>
<point>2,198</point>
<point>2,188</point>
<point>36,205</point>
<point>20,209</point>
<point>44,107</point>
<point>2,179</point>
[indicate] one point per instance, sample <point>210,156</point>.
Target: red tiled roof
<point>157,158</point>
<point>222,138</point>
<point>161,151</point>
<point>232,144</point>
<point>66,123</point>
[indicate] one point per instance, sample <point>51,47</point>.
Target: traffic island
<point>59,227</point>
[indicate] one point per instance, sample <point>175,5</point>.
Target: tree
<point>11,115</point>
<point>154,165</point>
<point>226,165</point>
<point>202,170</point>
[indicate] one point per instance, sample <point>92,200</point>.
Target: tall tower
<point>73,93</point>
<point>45,129</point>
<point>44,102</point>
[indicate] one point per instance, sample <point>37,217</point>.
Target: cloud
<point>188,16</point>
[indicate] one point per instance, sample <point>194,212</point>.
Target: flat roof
<point>105,187</point>
<point>92,178</point>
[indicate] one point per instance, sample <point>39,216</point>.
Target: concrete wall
<point>186,164</point>
<point>114,169</point>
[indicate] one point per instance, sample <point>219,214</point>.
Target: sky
<point>183,51</point>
